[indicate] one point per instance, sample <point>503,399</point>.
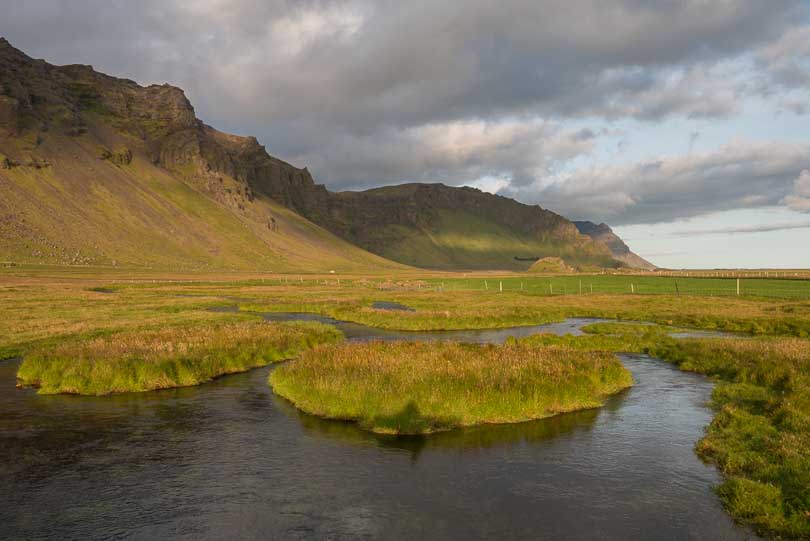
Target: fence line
<point>583,286</point>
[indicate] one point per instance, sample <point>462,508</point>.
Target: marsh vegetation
<point>90,334</point>
<point>760,435</point>
<point>165,358</point>
<point>415,388</point>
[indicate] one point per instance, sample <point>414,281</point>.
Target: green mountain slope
<point>443,227</point>
<point>99,170</point>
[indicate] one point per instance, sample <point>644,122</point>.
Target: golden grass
<point>40,306</point>
<point>421,387</point>
<point>175,357</point>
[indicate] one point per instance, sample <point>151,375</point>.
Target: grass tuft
<point>159,359</point>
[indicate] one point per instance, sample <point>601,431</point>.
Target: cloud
<point>740,174</point>
<point>758,228</point>
<point>799,198</point>
<point>362,65</point>
<point>787,59</point>
<point>517,151</point>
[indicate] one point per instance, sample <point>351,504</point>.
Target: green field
<point>632,284</point>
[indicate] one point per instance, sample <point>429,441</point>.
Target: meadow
<point>52,305</point>
<point>758,439</point>
<point>419,387</point>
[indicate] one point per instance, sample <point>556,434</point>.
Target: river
<point>229,459</point>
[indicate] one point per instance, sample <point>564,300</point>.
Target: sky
<point>684,124</point>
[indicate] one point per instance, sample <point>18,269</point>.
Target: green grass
<point>586,284</point>
<point>53,304</point>
<point>173,357</point>
<point>415,388</point>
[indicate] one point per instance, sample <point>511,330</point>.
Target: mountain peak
<point>604,233</point>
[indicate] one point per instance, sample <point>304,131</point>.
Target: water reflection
<point>470,438</point>
<point>388,305</point>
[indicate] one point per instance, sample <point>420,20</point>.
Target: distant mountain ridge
<point>444,227</point>
<point>100,170</point>
<point>602,232</point>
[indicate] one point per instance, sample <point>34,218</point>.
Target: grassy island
<point>422,387</point>
<point>173,357</point>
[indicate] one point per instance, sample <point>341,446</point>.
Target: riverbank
<point>759,437</point>
<point>173,357</point>
<point>420,387</point>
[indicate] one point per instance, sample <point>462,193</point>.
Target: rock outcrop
<point>603,233</point>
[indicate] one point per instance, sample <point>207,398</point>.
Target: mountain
<point>100,170</point>
<point>443,227</point>
<point>603,233</point>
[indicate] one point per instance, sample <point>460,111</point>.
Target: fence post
<point>632,288</point>
<point>500,286</point>
<point>486,285</point>
<point>580,286</point>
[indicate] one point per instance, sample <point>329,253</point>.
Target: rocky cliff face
<point>40,96</point>
<point>603,233</point>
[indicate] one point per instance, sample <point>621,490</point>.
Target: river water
<point>230,460</point>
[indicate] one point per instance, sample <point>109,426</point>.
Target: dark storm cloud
<point>368,93</point>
